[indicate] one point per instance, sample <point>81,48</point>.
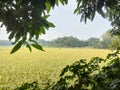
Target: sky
<point>68,24</point>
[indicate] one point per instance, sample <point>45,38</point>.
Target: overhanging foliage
<point>26,19</point>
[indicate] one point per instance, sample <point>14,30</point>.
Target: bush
<point>92,75</point>
<point>35,86</point>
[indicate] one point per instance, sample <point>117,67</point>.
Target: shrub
<point>92,75</point>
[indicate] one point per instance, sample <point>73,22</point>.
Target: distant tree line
<point>73,42</point>
<point>70,41</point>
<point>105,42</point>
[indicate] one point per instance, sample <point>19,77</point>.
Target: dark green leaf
<point>101,13</point>
<point>16,47</point>
<point>42,30</point>
<point>51,24</point>
<point>37,46</point>
<point>37,33</point>
<point>46,16</point>
<point>77,11</point>
<point>48,6</point>
<point>93,15</point>
<point>11,35</point>
<point>62,2</point>
<point>34,41</point>
<point>66,1</point>
<point>52,2</point>
<point>28,46</point>
<point>56,2</point>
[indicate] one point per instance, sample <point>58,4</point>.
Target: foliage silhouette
<point>91,75</point>
<point>27,19</point>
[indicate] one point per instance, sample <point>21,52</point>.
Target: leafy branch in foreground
<point>28,45</point>
<point>91,75</point>
<point>26,19</point>
<point>47,85</point>
<point>109,9</point>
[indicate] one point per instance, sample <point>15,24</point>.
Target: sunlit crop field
<point>24,66</point>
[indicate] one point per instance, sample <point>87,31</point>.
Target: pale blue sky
<point>68,24</point>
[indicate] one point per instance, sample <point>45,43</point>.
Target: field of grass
<point>24,66</point>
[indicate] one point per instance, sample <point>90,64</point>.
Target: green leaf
<point>46,16</point>
<point>16,47</point>
<point>51,24</point>
<point>100,11</point>
<point>37,46</point>
<point>29,47</point>
<point>93,15</point>
<point>37,34</point>
<point>56,2</point>
<point>62,2</point>
<point>66,1</point>
<point>34,41</point>
<point>42,30</point>
<point>48,6</point>
<point>11,35</point>
<point>52,2</point>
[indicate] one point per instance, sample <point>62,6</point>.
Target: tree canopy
<point>26,19</point>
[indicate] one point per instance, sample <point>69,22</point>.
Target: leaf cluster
<point>109,9</point>
<point>30,86</point>
<point>26,19</point>
<point>84,75</point>
<point>106,8</point>
<point>47,85</point>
